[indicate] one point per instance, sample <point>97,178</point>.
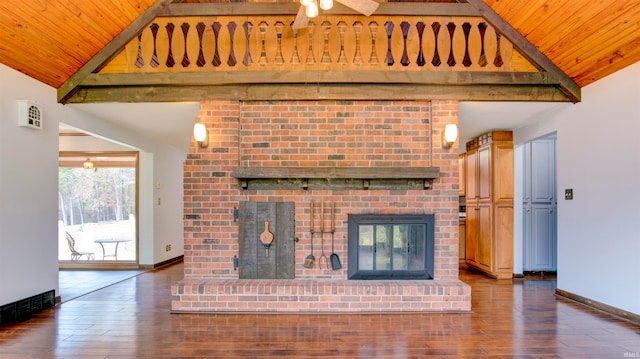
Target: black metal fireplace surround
<point>391,246</point>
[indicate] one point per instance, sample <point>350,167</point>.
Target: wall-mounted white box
<point>29,114</point>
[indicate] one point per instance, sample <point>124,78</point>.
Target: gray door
<point>279,263</point>
<point>539,205</point>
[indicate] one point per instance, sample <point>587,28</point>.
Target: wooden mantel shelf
<point>335,177</point>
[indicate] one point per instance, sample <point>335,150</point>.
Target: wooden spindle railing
<point>348,43</point>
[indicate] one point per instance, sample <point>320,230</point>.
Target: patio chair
<point>75,255</point>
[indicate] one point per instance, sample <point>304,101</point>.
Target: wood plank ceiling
<point>51,41</point>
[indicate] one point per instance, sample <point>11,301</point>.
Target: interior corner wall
<point>598,156</point>
<point>28,190</point>
<point>29,187</point>
<point>168,202</point>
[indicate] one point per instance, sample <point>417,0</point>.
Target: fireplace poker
<point>326,259</point>
<point>308,262</point>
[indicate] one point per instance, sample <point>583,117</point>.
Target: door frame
<point>107,264</point>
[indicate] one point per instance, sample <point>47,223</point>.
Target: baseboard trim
<point>605,308</point>
<point>170,261</point>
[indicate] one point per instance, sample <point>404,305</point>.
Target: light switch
<point>568,194</point>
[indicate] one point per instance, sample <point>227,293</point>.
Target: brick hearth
<point>320,295</point>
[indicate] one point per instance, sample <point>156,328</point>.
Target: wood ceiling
<point>51,41</point>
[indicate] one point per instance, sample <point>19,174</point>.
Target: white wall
<point>598,154</point>
<point>28,191</point>
<point>29,185</point>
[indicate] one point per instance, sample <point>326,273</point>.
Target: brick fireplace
<point>363,157</point>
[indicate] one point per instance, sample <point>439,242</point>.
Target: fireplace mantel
<point>334,178</point>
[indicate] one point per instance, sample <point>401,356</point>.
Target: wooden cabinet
<point>462,180</point>
<point>489,225</point>
<point>471,235</point>
<point>461,244</point>
<point>471,172</point>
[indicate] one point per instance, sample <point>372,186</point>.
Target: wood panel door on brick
<point>278,218</point>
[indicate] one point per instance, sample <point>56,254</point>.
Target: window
<point>391,246</point>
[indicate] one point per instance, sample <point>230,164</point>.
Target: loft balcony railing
<point>250,51</point>
<point>341,43</point>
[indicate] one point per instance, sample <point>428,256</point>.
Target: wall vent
<point>29,114</point>
<point>23,309</point>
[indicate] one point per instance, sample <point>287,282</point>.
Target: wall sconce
<point>87,165</point>
<point>201,135</point>
<point>449,135</point>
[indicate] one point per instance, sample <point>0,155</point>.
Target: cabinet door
<point>252,255</point>
<point>462,183</point>
<point>526,237</point>
<point>471,169</point>
<point>471,234</point>
<point>539,230</point>
<point>462,242</point>
<point>484,172</point>
<point>502,161</point>
<point>526,172</point>
<point>543,171</point>
<point>542,241</point>
<point>485,237</point>
<point>502,261</point>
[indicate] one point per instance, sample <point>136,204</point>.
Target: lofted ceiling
<point>51,41</point>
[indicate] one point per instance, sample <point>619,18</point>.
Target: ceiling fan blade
<point>365,7</point>
<point>301,20</point>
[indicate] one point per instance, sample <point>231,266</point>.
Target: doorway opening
<point>98,210</point>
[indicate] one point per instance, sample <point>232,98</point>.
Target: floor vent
<point>25,308</point>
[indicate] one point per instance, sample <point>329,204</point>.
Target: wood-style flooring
<point>73,283</point>
<point>132,319</point>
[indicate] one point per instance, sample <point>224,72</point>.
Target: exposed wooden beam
<point>312,91</point>
<point>110,50</point>
<point>530,52</point>
<point>321,77</point>
<point>291,8</point>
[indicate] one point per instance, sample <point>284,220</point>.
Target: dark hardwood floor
<point>74,283</point>
<point>131,319</point>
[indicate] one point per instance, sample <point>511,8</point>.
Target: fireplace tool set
<point>335,260</point>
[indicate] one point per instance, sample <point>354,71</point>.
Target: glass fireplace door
<point>401,249</point>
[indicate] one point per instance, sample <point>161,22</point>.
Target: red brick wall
<point>309,133</point>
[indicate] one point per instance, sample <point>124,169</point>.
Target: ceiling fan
<point>310,8</point>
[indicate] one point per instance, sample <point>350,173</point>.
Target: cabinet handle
<point>550,198</point>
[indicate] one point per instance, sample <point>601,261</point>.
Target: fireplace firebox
<point>388,246</point>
